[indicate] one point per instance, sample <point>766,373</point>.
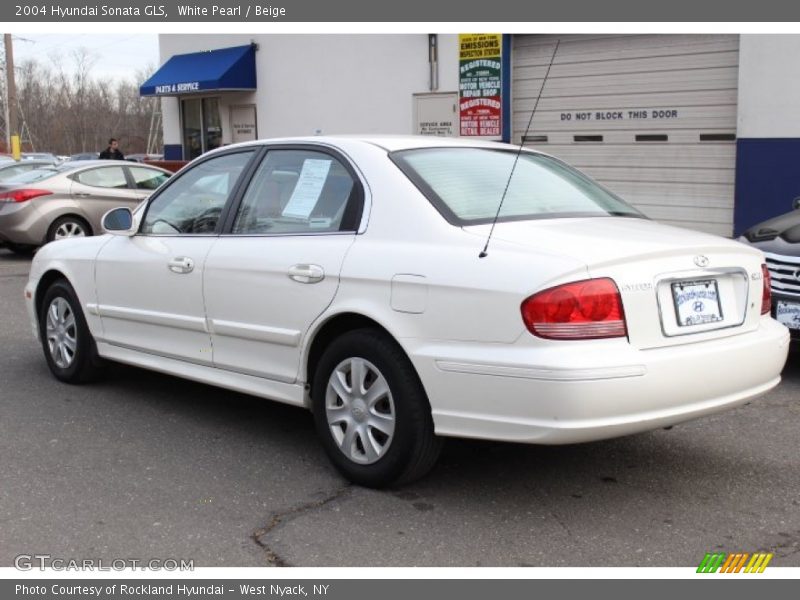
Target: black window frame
<point>238,187</point>
<point>353,213</point>
<point>75,176</point>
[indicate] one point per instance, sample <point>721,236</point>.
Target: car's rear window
<point>31,176</point>
<point>467,184</point>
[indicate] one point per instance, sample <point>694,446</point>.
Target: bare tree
<point>67,111</point>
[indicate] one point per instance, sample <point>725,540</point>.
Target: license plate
<point>788,313</point>
<point>696,302</point>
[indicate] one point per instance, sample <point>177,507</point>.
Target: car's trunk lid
<point>678,286</point>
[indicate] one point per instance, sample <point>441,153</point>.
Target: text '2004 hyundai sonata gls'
<point>347,276</point>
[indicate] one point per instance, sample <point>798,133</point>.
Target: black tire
<point>69,222</point>
<point>85,364</point>
<point>413,449</point>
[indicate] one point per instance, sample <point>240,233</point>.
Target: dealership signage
<point>243,123</point>
<point>650,114</point>
<point>480,84</point>
<point>443,128</point>
<point>178,88</point>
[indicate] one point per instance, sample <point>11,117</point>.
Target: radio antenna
<point>485,252</point>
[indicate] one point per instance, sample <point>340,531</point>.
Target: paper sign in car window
<point>308,189</point>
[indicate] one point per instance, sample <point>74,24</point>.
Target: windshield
<point>466,185</point>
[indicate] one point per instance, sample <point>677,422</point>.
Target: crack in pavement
<point>273,558</point>
<point>563,525</point>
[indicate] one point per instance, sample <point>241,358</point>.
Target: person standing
<point>112,152</point>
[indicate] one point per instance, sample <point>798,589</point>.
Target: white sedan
<point>352,277</point>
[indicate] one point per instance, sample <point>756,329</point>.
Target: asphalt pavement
<point>143,465</point>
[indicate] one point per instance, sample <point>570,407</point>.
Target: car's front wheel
<point>69,347</point>
<point>372,412</point>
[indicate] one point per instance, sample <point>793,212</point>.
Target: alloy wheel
<point>61,332</point>
<point>69,229</point>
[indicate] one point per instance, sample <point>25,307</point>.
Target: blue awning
<point>226,69</point>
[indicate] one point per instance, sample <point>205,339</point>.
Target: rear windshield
<point>31,176</point>
<point>466,185</point>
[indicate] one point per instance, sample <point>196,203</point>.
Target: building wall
<point>768,144</point>
<point>365,84</point>
<point>328,84</point>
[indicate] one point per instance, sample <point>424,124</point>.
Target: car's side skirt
<point>287,393</point>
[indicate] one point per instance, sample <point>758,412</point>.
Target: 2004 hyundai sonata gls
<point>345,275</point>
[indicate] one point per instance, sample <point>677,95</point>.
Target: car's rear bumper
<point>21,223</point>
<point>601,390</point>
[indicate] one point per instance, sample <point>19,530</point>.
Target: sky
<point>117,56</point>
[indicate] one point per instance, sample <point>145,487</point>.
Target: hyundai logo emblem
<point>701,261</point>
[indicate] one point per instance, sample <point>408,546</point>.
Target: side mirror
<point>119,221</point>
<point>796,203</point>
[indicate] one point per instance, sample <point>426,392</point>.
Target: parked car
<point>85,156</point>
<point>143,157</point>
<point>69,200</point>
<point>779,239</point>
<point>11,169</point>
<point>355,277</point>
<point>48,156</point>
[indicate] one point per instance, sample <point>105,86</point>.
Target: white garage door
<point>652,117</point>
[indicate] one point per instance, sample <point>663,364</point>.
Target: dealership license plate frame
<point>707,317</point>
<point>793,322</point>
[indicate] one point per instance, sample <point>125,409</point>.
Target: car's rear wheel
<point>372,412</point>
<point>68,227</point>
<point>69,347</point>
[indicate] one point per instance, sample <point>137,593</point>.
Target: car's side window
<point>104,177</point>
<point>147,179</point>
<point>193,203</point>
<point>296,191</point>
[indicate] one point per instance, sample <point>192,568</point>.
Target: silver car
<point>70,199</point>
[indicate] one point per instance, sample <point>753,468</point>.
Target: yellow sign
<point>479,45</point>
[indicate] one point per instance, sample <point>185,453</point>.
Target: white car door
<point>276,268</point>
<point>150,286</point>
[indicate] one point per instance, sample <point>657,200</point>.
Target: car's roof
<point>390,143</point>
<point>69,165</point>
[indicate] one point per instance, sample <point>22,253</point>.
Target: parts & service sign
<point>480,84</point>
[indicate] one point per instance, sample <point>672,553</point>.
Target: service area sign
<point>480,84</point>
<point>243,123</point>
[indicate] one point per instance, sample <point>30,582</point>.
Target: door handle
<point>306,273</point>
<point>83,195</point>
<point>181,264</point>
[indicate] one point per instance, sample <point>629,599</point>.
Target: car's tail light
<point>23,195</point>
<point>766,292</point>
<point>582,310</point>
